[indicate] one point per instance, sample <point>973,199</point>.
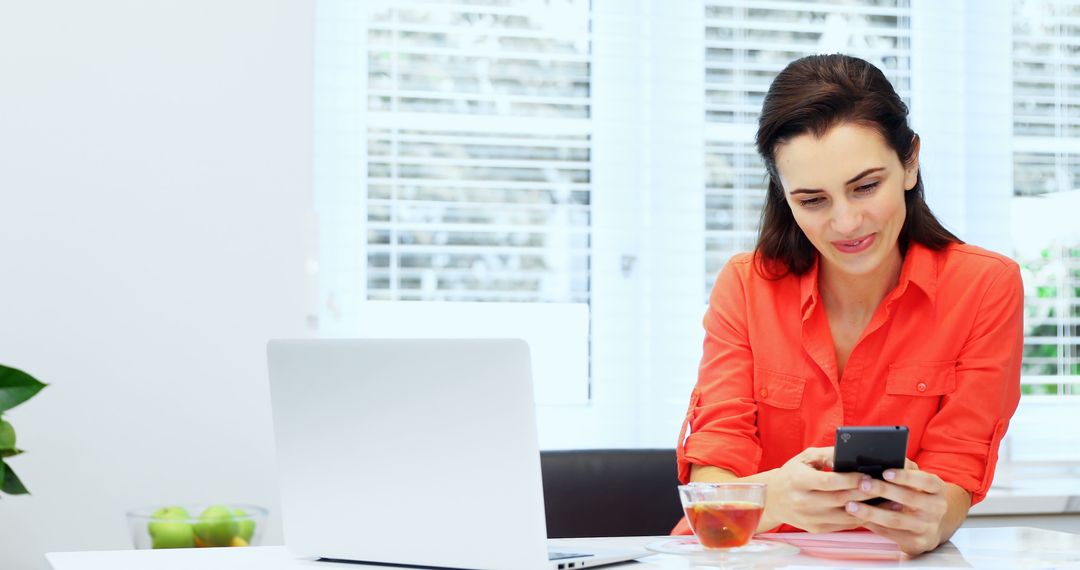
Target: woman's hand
<point>915,516</point>
<point>802,494</point>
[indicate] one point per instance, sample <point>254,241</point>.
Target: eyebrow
<point>853,179</point>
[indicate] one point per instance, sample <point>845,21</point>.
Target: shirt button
<point>764,393</point>
<point>921,386</point>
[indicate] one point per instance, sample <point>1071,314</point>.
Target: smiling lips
<point>855,245</point>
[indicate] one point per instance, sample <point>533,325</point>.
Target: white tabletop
<point>1011,548</point>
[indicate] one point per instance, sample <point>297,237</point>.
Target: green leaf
<point>3,469</point>
<point>7,436</point>
<point>5,453</point>
<point>12,485</point>
<point>16,387</point>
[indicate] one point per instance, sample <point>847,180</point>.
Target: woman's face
<point>846,190</point>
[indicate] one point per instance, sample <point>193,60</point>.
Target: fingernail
<point>852,507</point>
<point>889,475</point>
<point>864,485</point>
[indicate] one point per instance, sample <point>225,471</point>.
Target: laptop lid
<point>419,452</point>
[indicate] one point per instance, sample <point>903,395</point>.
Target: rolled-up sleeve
<point>720,425</point>
<point>962,439</point>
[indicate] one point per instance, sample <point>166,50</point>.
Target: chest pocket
<point>777,389</point>
<point>780,424</point>
<point>921,378</point>
<point>913,393</point>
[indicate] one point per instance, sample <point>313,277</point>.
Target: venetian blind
<point>747,42</point>
<point>478,150</point>
<point>1046,163</point>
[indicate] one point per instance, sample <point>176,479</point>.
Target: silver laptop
<point>413,452</point>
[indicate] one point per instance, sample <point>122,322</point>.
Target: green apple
<point>245,525</point>
<point>169,529</point>
<point>216,526</point>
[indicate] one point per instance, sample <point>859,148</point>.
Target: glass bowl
<point>196,526</point>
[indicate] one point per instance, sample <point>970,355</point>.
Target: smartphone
<point>870,450</point>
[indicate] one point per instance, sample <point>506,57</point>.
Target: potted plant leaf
<point>16,387</point>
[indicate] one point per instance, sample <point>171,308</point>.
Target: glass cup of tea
<point>723,515</point>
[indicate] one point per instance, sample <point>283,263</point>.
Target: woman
<point>856,308</point>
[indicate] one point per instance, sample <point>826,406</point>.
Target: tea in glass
<point>723,515</point>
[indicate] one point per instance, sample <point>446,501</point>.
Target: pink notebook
<point>854,545</point>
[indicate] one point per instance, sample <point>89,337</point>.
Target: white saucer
<point>751,552</point>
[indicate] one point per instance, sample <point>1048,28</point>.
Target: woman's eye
<point>810,202</point>
<point>867,187</point>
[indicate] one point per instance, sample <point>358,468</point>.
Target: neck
<point>859,295</point>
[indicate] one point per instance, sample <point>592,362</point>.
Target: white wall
<point>155,181</point>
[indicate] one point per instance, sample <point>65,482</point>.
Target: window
<point>478,151</point>
<point>746,45</point>
<point>601,152</point>
<point>1046,172</point>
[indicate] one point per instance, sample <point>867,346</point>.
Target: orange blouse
<point>941,355</point>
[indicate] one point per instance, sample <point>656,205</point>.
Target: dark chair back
<point>610,492</point>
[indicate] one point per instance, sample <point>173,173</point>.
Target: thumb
<point>818,457</point>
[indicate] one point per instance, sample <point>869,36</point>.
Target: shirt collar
<point>919,268</point>
<point>808,289</point>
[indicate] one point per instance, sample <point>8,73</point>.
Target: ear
<point>911,169</point>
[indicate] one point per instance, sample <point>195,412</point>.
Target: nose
<point>846,218</point>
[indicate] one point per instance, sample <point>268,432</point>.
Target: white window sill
<point>1032,488</point>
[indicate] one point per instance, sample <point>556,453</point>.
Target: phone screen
<point>870,450</point>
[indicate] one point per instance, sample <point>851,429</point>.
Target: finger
<point>840,498</point>
<point>892,506</point>
<point>909,464</point>
<point>837,516</point>
<point>909,543</point>
<point>897,536</point>
<point>818,457</point>
<point>911,498</point>
<point>888,518</point>
<point>829,481</point>
<point>914,479</point>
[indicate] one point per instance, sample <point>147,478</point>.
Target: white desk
<point>1011,548</point>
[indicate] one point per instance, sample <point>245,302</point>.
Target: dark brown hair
<point>812,95</point>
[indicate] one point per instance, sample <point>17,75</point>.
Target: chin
<point>860,269</point>
<point>857,265</point>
